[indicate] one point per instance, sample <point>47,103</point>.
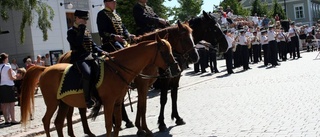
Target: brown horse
<point>120,70</point>
<point>182,44</point>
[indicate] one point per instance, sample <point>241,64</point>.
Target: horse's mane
<point>170,29</point>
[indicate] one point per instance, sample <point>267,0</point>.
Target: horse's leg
<point>83,116</point>
<point>69,122</point>
<point>174,98</point>
<point>117,117</point>
<point>108,113</point>
<point>140,123</point>
<point>62,112</point>
<point>47,118</point>
<point>163,101</point>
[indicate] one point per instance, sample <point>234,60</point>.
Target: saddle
<point>71,80</point>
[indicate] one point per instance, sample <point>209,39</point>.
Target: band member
<point>272,35</point>
<point>255,42</point>
<point>282,45</point>
<point>265,47</point>
<point>146,19</point>
<point>83,53</point>
<point>111,29</point>
<point>203,61</point>
<point>243,41</point>
<point>229,53</point>
<point>294,40</point>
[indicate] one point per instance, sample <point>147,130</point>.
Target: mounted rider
<point>114,34</point>
<point>84,53</point>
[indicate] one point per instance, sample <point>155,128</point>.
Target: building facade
<point>300,11</point>
<point>57,36</point>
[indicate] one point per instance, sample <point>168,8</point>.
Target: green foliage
<point>44,12</point>
<point>235,6</point>
<point>259,8</point>
<point>187,9</point>
<point>277,9</point>
<point>125,7</point>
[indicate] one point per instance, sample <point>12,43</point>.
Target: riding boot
<point>86,91</point>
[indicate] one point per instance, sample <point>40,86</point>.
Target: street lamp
<point>69,6</point>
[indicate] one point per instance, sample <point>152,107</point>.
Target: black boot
<point>86,93</point>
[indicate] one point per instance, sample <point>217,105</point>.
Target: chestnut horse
<point>123,66</point>
<point>182,44</point>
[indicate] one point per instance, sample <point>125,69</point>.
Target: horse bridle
<point>165,56</point>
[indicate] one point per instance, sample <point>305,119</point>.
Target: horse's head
<point>206,28</point>
<point>166,60</point>
<point>183,44</point>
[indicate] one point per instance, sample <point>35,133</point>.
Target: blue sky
<point>207,4</point>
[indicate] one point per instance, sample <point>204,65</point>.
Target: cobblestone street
<point>281,101</point>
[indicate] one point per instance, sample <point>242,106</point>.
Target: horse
<point>206,28</point>
<point>182,44</point>
<point>121,68</point>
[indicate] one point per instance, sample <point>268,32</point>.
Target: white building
<point>34,44</point>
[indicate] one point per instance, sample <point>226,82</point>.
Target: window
<point>299,11</point>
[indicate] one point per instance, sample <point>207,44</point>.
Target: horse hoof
<point>180,122</point>
<point>141,133</point>
<point>162,128</point>
<point>150,134</point>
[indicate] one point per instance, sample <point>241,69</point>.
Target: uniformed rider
<point>114,34</point>
<point>84,53</point>
<point>146,19</point>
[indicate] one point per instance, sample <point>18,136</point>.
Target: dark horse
<point>121,68</point>
<point>180,38</point>
<point>205,27</point>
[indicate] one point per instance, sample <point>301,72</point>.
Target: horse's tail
<point>29,83</point>
<point>95,110</point>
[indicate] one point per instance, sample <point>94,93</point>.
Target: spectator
<point>47,62</point>
<point>228,9</point>
<point>7,95</point>
<point>255,19</point>
<point>14,65</point>
<point>39,62</point>
<point>18,81</point>
<point>265,22</point>
<point>29,63</point>
<point>276,18</point>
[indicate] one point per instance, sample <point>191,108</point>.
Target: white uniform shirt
<point>264,40</point>
<point>242,40</point>
<point>281,36</point>
<point>292,31</point>
<point>5,79</point>
<point>256,40</point>
<point>271,35</point>
<point>230,41</point>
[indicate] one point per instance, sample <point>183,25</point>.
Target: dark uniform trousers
<point>213,60</point>
<point>279,47</point>
<point>266,53</point>
<point>228,56</point>
<point>273,52</point>
<point>203,61</point>
<point>256,49</point>
<point>283,50</point>
<point>238,56</point>
<point>295,46</point>
<point>245,57</point>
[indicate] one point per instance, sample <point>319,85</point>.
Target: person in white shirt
<point>229,53</point>
<point>243,41</point>
<point>282,45</point>
<point>265,47</point>
<point>255,19</point>
<point>255,42</point>
<point>294,40</point>
<point>7,94</point>
<point>272,35</point>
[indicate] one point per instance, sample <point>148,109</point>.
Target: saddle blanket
<point>71,81</point>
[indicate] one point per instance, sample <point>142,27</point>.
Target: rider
<point>113,33</point>
<point>146,19</point>
<point>114,37</point>
<point>84,53</point>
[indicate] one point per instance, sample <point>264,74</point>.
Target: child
<point>17,83</point>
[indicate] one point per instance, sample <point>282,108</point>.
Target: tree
<point>125,7</point>
<point>259,8</point>
<point>27,8</point>
<point>277,9</point>
<point>187,9</point>
<point>235,6</point>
